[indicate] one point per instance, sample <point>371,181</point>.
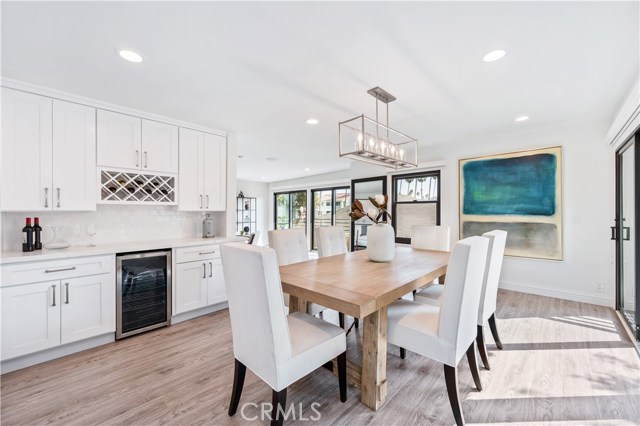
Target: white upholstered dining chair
<point>278,348</point>
<point>291,247</point>
<point>430,237</point>
<point>488,300</point>
<point>447,332</point>
<point>331,241</point>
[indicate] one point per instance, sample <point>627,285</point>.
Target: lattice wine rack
<point>136,188</point>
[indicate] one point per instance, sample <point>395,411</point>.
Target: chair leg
<point>414,294</point>
<point>341,319</point>
<point>473,365</point>
<point>279,403</point>
<point>238,383</point>
<point>482,348</point>
<point>451,379</point>
<point>342,375</point>
<point>494,330</point>
<point>403,353</point>
<point>356,322</point>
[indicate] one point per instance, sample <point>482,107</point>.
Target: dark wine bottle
<point>37,234</point>
<point>27,236</point>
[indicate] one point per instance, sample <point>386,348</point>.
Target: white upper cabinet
<point>74,154</point>
<point>26,152</point>
<point>129,142</point>
<point>119,140</point>
<point>203,171</point>
<point>159,147</point>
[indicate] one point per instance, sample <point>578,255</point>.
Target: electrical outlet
<point>600,287</point>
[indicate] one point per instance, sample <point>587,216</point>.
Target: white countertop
<point>109,248</point>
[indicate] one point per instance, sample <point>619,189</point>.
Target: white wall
<point>259,190</point>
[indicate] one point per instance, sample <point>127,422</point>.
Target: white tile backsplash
<point>114,223</point>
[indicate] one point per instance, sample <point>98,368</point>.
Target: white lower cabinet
<point>198,283</point>
<point>65,309</point>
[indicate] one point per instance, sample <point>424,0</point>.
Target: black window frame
<point>383,179</point>
<point>333,203</point>
<point>275,207</point>
<point>394,186</point>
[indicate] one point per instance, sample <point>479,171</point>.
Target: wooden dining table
<point>352,284</point>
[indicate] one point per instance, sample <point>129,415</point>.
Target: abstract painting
<point>518,192</point>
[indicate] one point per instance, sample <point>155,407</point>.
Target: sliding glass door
<point>290,210</point>
<point>626,233</point>
<point>331,206</point>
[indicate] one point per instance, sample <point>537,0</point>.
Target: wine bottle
<point>37,234</point>
<point>27,236</point>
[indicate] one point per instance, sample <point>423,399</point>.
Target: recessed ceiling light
<point>494,55</point>
<point>306,169</point>
<point>522,118</point>
<point>130,55</point>
<point>312,121</point>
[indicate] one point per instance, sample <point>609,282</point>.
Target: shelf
<point>118,187</point>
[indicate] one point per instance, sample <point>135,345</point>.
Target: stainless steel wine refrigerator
<point>143,282</point>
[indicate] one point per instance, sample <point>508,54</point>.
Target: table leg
<point>442,278</point>
<point>297,305</point>
<point>374,359</point>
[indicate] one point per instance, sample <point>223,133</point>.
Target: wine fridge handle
<point>204,270</point>
<point>66,291</point>
<point>137,158</point>
<point>54,295</point>
<point>210,269</point>
<point>58,190</point>
<point>46,197</point>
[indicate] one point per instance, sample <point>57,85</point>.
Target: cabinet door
<point>30,318</point>
<point>74,156</point>
<point>190,194</point>
<point>216,292</point>
<point>26,152</point>
<point>119,138</point>
<point>88,307</point>
<point>215,172</point>
<point>159,147</point>
<point>190,287</point>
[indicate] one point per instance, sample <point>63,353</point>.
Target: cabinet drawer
<point>190,254</point>
<point>33,272</point>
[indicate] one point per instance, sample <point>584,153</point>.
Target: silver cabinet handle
<point>204,270</point>
<point>58,190</point>
<point>54,294</point>
<point>46,197</point>
<point>137,158</point>
<point>66,285</point>
<point>200,200</point>
<point>48,271</point>
<point>210,269</point>
<point>207,201</point>
<point>206,252</point>
<point>146,159</point>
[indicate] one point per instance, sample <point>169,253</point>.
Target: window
<point>290,210</point>
<point>362,189</point>
<point>416,201</point>
<point>331,206</point>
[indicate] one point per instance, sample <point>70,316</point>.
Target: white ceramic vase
<point>381,242</point>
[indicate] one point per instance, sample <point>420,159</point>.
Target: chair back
<point>259,327</point>
<point>461,294</point>
<point>497,242</point>
<point>330,240</point>
<point>431,237</point>
<point>290,245</point>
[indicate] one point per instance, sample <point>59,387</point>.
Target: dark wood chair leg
<point>356,322</point>
<point>342,375</point>
<point>341,319</point>
<point>473,365</point>
<point>494,330</point>
<point>482,348</point>
<point>414,294</point>
<point>279,403</point>
<point>238,383</point>
<point>403,353</point>
<point>451,378</point>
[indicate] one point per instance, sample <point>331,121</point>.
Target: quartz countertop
<point>109,248</point>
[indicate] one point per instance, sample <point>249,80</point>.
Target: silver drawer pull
<point>207,201</point>
<point>66,285</point>
<point>210,269</point>
<point>204,270</point>
<point>54,295</point>
<point>48,271</point>
<point>206,252</point>
<point>58,189</point>
<point>46,197</point>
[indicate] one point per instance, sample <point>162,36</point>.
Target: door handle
<point>146,159</point>
<point>46,197</point>
<point>207,201</point>
<point>137,158</point>
<point>614,233</point>
<point>58,190</point>
<point>626,233</point>
<point>66,285</point>
<point>54,295</point>
<point>204,270</point>
<point>210,269</point>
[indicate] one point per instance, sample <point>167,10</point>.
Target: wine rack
<point>117,187</point>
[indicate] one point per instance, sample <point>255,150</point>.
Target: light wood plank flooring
<point>563,363</point>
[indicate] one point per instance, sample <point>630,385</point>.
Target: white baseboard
<point>558,294</point>
<point>14,364</point>
<point>185,316</point>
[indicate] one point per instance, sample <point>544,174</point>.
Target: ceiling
<point>260,70</point>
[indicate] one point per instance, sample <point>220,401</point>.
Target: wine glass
<point>91,231</point>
